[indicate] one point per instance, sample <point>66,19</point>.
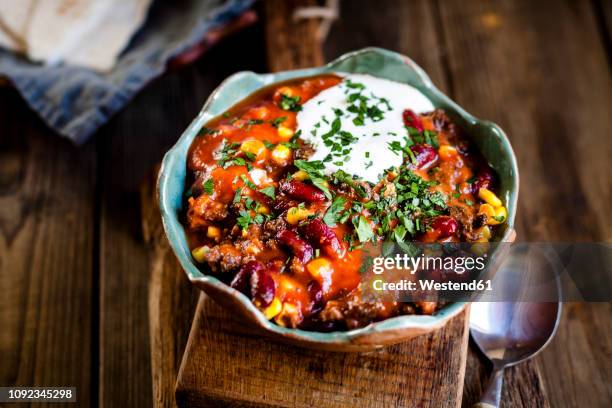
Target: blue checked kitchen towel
<point>76,101</point>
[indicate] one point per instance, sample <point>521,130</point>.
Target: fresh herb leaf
<point>268,191</point>
<point>248,182</point>
<point>237,196</point>
<point>276,122</point>
<point>314,169</point>
<point>334,211</point>
<point>208,131</point>
<point>290,103</point>
<point>209,186</point>
<point>363,229</point>
<point>344,177</point>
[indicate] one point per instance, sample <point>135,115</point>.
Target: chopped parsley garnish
<point>268,191</point>
<point>252,122</point>
<point>314,169</point>
<point>402,214</point>
<point>227,156</point>
<point>290,103</point>
<point>334,212</point>
<point>426,136</point>
<point>276,122</point>
<point>245,219</point>
<point>343,177</point>
<point>209,186</point>
<point>237,196</point>
<point>250,156</point>
<point>397,148</point>
<point>248,182</point>
<point>208,131</point>
<point>363,229</point>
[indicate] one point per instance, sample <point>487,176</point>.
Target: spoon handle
<point>492,394</point>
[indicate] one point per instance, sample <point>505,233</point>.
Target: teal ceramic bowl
<point>491,140</point>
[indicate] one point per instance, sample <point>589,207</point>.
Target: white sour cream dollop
<point>369,153</point>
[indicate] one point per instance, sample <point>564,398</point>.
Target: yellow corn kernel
<point>300,175</point>
<point>487,209</point>
<point>447,152</point>
<point>254,147</point>
<point>487,195</point>
<point>285,133</point>
<point>297,214</point>
<point>285,90</point>
<point>484,234</point>
<point>213,232</point>
<point>199,252</point>
<point>263,209</point>
<point>319,267</point>
<point>494,215</point>
<point>501,214</point>
<point>288,314</point>
<point>273,309</point>
<point>281,154</point>
<point>286,284</point>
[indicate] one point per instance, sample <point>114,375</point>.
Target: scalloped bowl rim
<point>173,228</point>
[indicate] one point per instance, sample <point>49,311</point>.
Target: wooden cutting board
<point>223,364</point>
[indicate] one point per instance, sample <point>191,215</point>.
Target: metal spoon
<point>509,333</point>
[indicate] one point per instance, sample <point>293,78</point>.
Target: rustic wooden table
<point>74,268</point>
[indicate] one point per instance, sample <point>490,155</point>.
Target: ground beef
<point>224,258</point>
<point>356,312</point>
<point>203,210</point>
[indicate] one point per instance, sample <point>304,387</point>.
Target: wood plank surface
<point>80,303</point>
<point>225,364</point>
<point>171,297</point>
<point>129,147</point>
<point>522,64</point>
<point>46,248</point>
<point>290,44</point>
<point>172,300</point>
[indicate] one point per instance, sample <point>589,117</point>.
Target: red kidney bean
<point>242,279</point>
<point>316,296</point>
<point>322,236</point>
<point>253,277</point>
<point>411,119</point>
<point>445,225</point>
<point>283,203</point>
<point>484,179</point>
<point>301,191</point>
<point>425,156</point>
<point>263,286</point>
<point>301,249</point>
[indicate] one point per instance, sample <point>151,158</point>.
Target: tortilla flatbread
<point>90,33</point>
